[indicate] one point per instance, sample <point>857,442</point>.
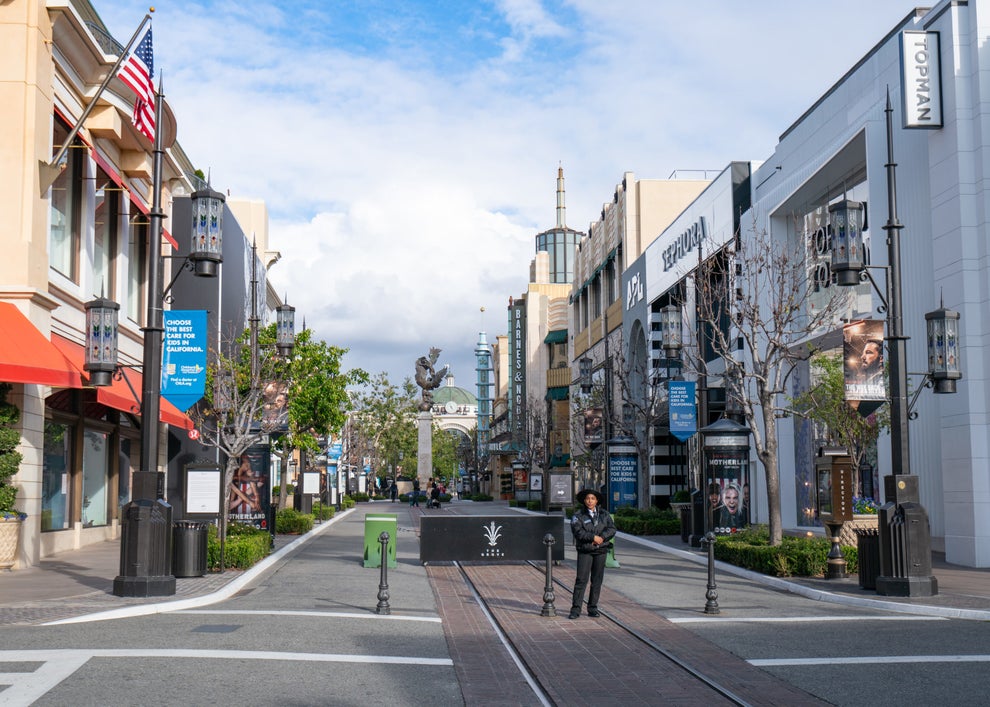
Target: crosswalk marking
<point>327,614</point>
<point>869,660</point>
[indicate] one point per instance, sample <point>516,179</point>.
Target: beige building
<point>83,235</point>
<point>639,211</point>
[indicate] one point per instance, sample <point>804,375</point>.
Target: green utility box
<point>374,525</point>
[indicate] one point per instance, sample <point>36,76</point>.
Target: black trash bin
<point>189,548</point>
<point>868,552</point>
<point>685,524</point>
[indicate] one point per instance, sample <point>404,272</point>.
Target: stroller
<point>434,501</point>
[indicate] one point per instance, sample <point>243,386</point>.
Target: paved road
<point>305,632</point>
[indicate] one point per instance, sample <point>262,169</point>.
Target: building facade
<point>638,211</point>
<point>933,63</point>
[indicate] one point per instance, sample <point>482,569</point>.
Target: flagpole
<point>49,171</point>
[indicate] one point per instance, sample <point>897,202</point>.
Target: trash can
<point>374,525</point>
<point>189,548</point>
<point>868,553</point>
<point>685,523</point>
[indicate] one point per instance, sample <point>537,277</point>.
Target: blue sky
<point>408,151</point>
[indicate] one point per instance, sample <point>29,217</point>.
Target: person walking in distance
<point>414,501</point>
<point>593,530</point>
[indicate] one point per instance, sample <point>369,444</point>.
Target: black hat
<point>583,494</point>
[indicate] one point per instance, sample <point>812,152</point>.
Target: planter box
<point>10,533</point>
<point>847,536</point>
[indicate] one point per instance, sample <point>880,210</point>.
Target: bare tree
<point>642,408</point>
<point>230,417</point>
<point>759,315</point>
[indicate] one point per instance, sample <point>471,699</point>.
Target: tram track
<point>536,668</point>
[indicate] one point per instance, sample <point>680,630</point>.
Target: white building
<point>941,145</point>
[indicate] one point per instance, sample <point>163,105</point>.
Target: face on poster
<point>250,494</point>
<point>863,360</point>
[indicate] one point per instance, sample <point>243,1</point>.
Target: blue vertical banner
<point>683,412</point>
<point>623,477</point>
<point>184,357</point>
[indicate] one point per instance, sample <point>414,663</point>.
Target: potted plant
<point>10,460</point>
<point>680,499</point>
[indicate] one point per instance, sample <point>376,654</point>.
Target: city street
<point>306,632</point>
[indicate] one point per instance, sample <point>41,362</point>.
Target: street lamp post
<point>146,523</point>
<point>905,534</point>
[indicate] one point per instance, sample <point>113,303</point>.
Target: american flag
<point>138,71</point>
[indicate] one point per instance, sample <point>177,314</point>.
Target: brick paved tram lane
<point>585,661</point>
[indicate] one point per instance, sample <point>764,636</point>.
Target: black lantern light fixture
<point>943,349</point>
<point>285,329</point>
<point>101,340</point>
<point>670,331</point>
<point>206,249</point>
<point>846,220</point>
<point>584,370</point>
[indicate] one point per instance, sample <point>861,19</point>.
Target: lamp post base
<point>907,586</point>
<point>144,586</point>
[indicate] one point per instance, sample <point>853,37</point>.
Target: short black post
<point>383,607</point>
<point>711,596</point>
<point>836,565</point>
<point>548,607</point>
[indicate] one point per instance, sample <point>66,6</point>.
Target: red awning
<point>26,356</point>
<point>118,394</point>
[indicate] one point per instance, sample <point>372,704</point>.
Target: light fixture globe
<point>101,341</point>
<point>846,220</point>
<point>285,329</point>
<point>206,249</point>
<point>671,337</point>
<point>943,349</point>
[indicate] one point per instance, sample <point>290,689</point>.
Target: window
<point>94,478</point>
<point>137,273</point>
<point>65,203</point>
<point>105,237</point>
<point>55,482</point>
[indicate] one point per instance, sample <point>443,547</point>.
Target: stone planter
<point>10,534</point>
<point>847,536</point>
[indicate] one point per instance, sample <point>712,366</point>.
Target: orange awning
<point>26,356</point>
<point>118,394</point>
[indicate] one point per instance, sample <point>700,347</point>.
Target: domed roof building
<point>455,409</point>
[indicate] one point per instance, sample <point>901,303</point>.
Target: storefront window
<point>95,476</point>
<point>63,242</point>
<point>136,271</point>
<point>55,485</point>
<point>105,238</point>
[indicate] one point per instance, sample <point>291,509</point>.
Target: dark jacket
<point>584,531</point>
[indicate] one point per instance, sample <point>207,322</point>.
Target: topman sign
<point>921,81</point>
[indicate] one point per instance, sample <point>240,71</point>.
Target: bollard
<point>383,607</point>
<point>548,608</point>
<point>711,596</point>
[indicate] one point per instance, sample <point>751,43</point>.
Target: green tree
<point>10,458</point>
<point>383,425</point>
<point>445,444</point>
<point>840,423</point>
<point>317,394</point>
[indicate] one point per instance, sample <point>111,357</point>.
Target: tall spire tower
<point>560,241</point>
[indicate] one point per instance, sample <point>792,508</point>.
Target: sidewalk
<point>80,582</point>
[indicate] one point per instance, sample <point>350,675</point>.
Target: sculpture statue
<point>428,378</point>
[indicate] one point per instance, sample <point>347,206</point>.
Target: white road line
<point>795,619</point>
<point>870,660</point>
<point>328,614</point>
<point>25,688</point>
<point>58,664</point>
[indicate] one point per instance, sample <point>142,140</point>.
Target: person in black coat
<point>593,530</point>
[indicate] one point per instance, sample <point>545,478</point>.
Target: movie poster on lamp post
<point>863,361</point>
